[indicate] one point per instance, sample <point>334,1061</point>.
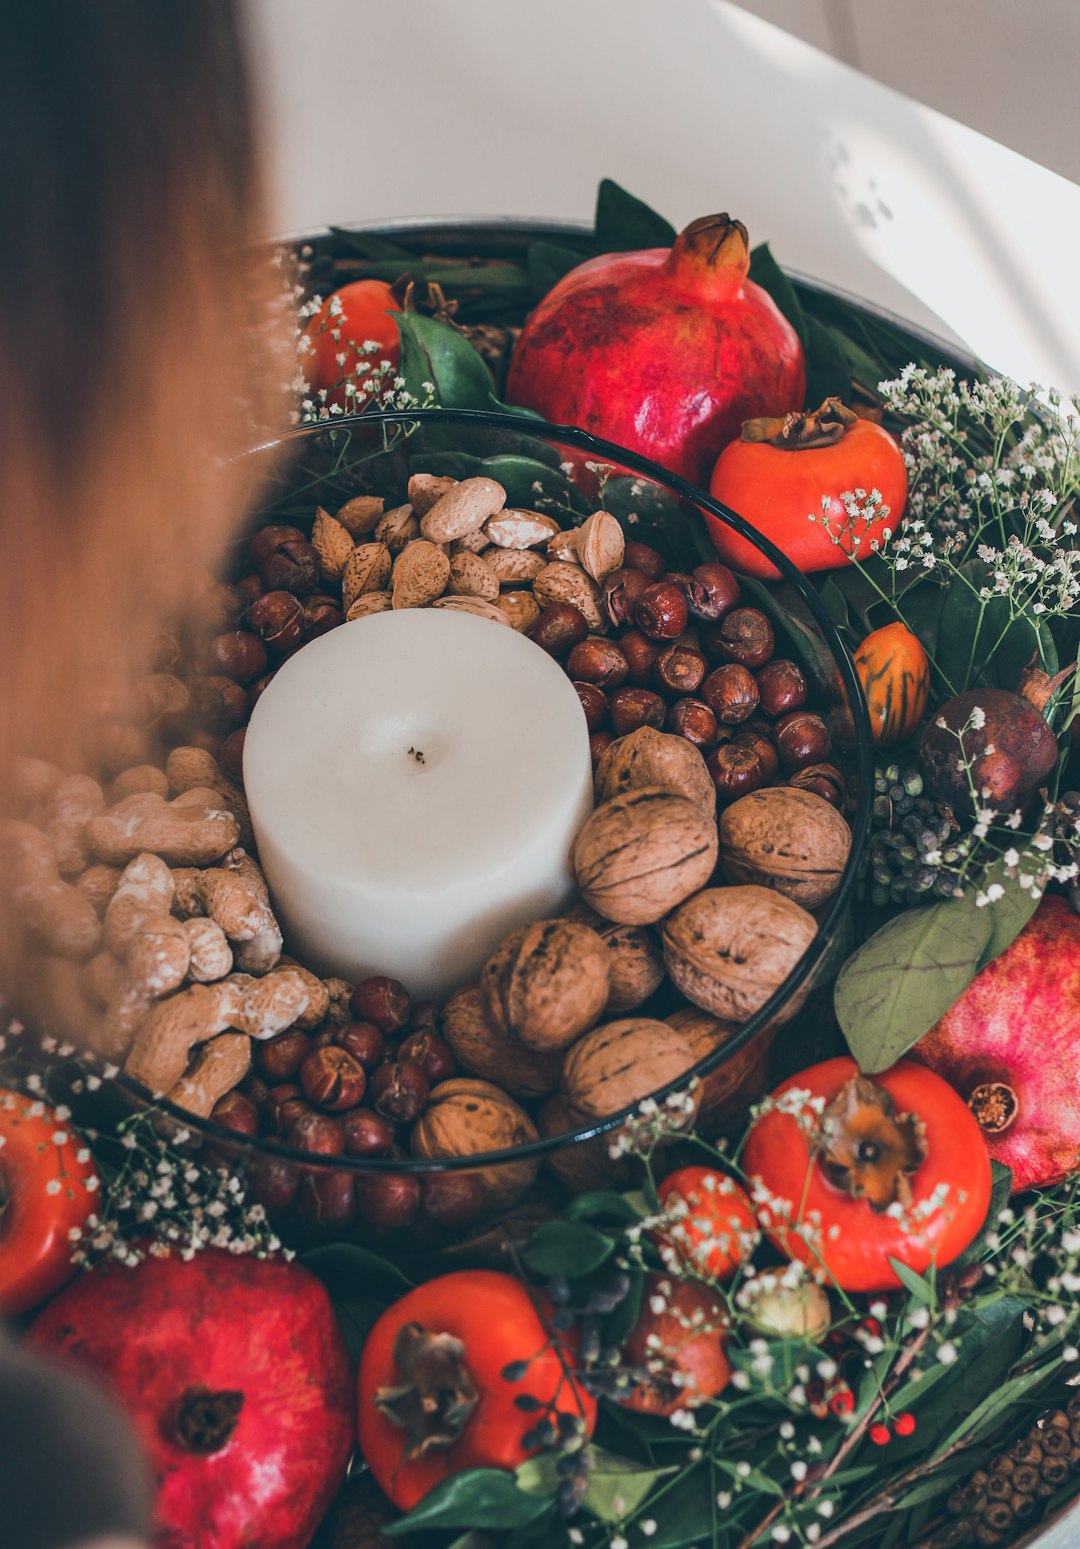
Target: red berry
<point>904,1424</point>
<point>842,1402</point>
<point>880,1435</point>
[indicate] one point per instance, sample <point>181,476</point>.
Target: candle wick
<point>418,755</point>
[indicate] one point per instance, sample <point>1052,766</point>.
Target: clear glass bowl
<point>326,464</point>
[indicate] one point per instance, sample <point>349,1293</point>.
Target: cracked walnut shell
<point>642,853</point>
<point>546,984</point>
<point>729,948</point>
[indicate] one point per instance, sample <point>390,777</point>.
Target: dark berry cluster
<point>911,853</point>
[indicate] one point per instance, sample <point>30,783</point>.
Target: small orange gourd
<point>895,676</point>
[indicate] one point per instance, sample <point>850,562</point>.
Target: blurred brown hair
<point>129,200</point>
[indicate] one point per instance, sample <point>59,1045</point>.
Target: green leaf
<point>361,1284</point>
<point>835,603</point>
<point>566,1248</point>
<point>980,643</point>
<point>436,353</point>
<point>918,1285</point>
<point>548,263</point>
<point>365,244</point>
<point>453,465</point>
<point>766,272</point>
<point>624,223</point>
<point>901,981</point>
<point>479,1497</point>
<point>602,1206</point>
<point>612,1479</point>
<point>532,485</point>
<point>827,374</point>
<point>1008,914</point>
<point>650,515</point>
<point>756,1479</point>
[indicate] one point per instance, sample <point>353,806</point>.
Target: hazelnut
<point>248,588</point>
<point>267,539</point>
<point>278,620</point>
<point>231,757</point>
<point>594,705</point>
<point>482,1051</point>
<point>388,1200</point>
<point>620,593</point>
<point>643,852</point>
<point>466,1118</point>
<point>383,1001</point>
<point>559,628</point>
<point>680,670</point>
<point>279,1058</point>
<point>736,768</point>
<point>426,1049</point>
<point>259,687</point>
<point>744,636</point>
<point>599,742</point>
<point>731,693</point>
<point>823,780</point>
<point>328,1198</point>
<point>640,556</point>
<point>545,984</point>
<point>630,708</point>
<point>598,661</point>
<point>363,1041</point>
<point>318,1133</point>
<point>219,704</point>
<point>661,612</point>
<point>754,735</point>
<point>424,1017</point>
<point>693,720</point>
<point>321,615</point>
<point>285,1104</point>
<point>238,654</point>
<point>789,840</point>
<point>236,1112</point>
<point>801,738</point>
<point>728,949</point>
<point>366,1133</point>
<point>272,1183</point>
<point>453,1198</point>
<point>332,1079</point>
<point>399,1091</point>
<point>713,591</point>
<point>781,686</point>
<point>291,566</point>
<point>650,757</point>
<point>642,655</point>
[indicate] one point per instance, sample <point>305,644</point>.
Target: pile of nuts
<point>718,829</point>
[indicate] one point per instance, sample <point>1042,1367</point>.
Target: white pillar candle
<point>415,781</point>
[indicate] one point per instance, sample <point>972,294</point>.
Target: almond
<point>471,576</point>
<point>463,509</point>
<point>426,489</point>
<point>420,575</point>
<point>366,570</point>
<point>332,543</point>
<point>520,529</point>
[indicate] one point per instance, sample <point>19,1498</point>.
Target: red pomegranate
<point>1011,1047</point>
<point>238,1380</point>
<point>665,351</point>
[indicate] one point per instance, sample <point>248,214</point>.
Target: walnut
<point>587,1164</point>
<point>642,853</point>
<point>788,840</point>
<point>482,1051</point>
<point>546,983</point>
<point>729,948</point>
<point>651,757</point>
<point>740,1078</point>
<point>465,1118</point>
<point>635,962</point>
<point>621,1063</point>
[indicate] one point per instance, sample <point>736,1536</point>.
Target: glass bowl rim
<point>535,1150</point>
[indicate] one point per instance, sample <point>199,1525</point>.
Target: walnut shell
<point>465,1118</point>
<point>621,1063</point>
<point>651,757</point>
<point>635,962</point>
<point>729,948</point>
<point>586,1165</point>
<point>546,983</point>
<point>790,840</point>
<point>642,853</point>
<point>741,1079</point>
<point>482,1051</point>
